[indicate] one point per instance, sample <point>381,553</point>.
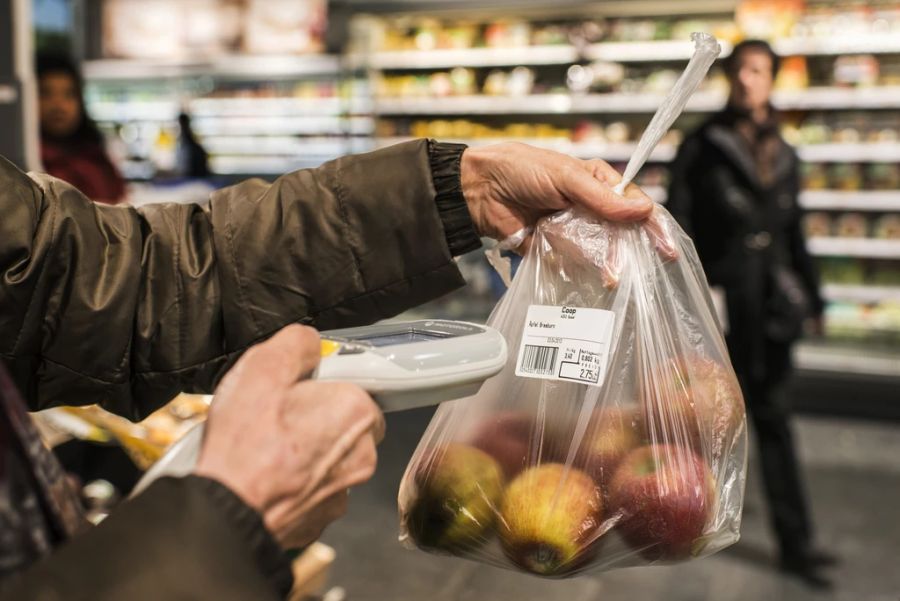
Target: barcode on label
<point>539,359</point>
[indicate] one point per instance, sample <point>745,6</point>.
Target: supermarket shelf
<point>862,200</point>
<point>237,66</point>
<point>708,101</point>
<point>855,247</point>
<point>703,101</point>
<point>282,126</point>
<point>266,165</point>
<point>585,150</point>
<point>143,110</point>
<point>883,97</point>
<point>559,54</point>
<point>275,145</point>
<point>663,50</point>
<point>483,105</point>
<point>851,153</point>
<point>540,104</point>
<point>833,45</point>
<point>837,358</point>
<point>860,293</point>
<point>265,106</point>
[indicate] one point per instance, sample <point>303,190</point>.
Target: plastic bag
<point>616,434</point>
<point>554,476</point>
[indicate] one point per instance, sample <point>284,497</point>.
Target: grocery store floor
<point>853,474</point>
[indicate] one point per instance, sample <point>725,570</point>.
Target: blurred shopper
<point>734,189</point>
<point>71,145</point>
<point>191,159</point>
<point>128,307</point>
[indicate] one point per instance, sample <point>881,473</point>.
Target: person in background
<point>734,189</point>
<point>71,145</point>
<point>192,160</point>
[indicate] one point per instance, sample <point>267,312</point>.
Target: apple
<point>458,490</point>
<point>612,433</point>
<point>694,401</point>
<point>551,518</point>
<point>663,495</point>
<point>507,437</point>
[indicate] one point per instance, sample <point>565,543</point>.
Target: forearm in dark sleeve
<point>128,307</point>
<point>188,538</point>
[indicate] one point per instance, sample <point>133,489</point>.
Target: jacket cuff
<point>451,204</point>
<point>272,561</point>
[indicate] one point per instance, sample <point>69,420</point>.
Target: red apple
<point>664,496</point>
<point>507,437</point>
<point>612,433</point>
<point>694,401</point>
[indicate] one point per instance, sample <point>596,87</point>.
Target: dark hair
<point>56,63</point>
<point>730,61</point>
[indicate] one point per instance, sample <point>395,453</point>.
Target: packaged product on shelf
<point>885,273</point>
<point>851,225</point>
<point>507,34</point>
<point>520,82</point>
<point>495,84</point>
<point>458,36</point>
<point>660,81</point>
<point>462,81</point>
<point>618,132</point>
<point>856,71</point>
<point>817,224</point>
<point>589,32</point>
<point>887,227</point>
<point>847,134</point>
<point>634,30</point>
<point>426,34</point>
<point>284,26</point>
<point>549,35</point>
<point>768,19</point>
<point>615,435</point>
<point>815,130</point>
<point>814,176</point>
<point>586,130</point>
<point>793,74</point>
<point>883,176</point>
<point>842,270</point>
<point>440,84</point>
<point>845,176</point>
<point>848,321</point>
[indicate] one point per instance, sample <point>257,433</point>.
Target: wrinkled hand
<point>290,449</point>
<point>510,186</point>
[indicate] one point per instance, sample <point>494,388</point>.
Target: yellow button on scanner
<point>329,347</point>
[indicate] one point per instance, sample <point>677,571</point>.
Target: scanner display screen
<point>401,338</point>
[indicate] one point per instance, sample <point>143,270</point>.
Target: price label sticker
<point>565,343</point>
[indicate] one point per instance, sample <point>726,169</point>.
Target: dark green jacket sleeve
<point>187,538</point>
<point>127,307</point>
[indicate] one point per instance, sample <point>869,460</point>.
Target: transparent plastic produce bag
<point>615,435</point>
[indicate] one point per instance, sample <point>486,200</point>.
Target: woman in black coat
<point>734,189</point>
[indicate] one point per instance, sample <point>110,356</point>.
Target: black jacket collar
<point>721,132</point>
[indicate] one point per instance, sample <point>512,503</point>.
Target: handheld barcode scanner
<point>402,365</point>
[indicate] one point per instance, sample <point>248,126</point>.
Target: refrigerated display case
<point>262,96</point>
